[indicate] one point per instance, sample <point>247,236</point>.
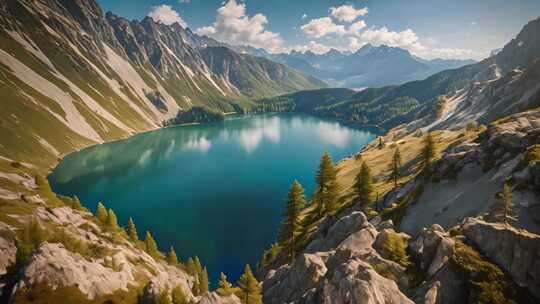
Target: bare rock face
<point>8,250</point>
<point>124,267</point>
<point>339,266</point>
<point>214,298</point>
<point>53,264</point>
<point>515,251</point>
<point>357,282</point>
<point>352,230</point>
<point>425,246</point>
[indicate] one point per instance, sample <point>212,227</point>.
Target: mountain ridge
<point>101,77</point>
<point>369,66</point>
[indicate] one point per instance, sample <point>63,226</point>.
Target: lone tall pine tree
<point>364,185</point>
<point>327,188</point>
<point>292,225</point>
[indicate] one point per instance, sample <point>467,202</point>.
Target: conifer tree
<point>364,185</point>
<point>179,296</point>
<point>151,246</point>
<point>203,281</point>
<point>190,267</point>
<point>198,266</point>
<point>132,230</point>
<point>292,224</point>
<point>112,221</point>
<point>224,287</point>
<point>29,237</point>
<point>503,208</point>
<point>101,213</point>
<point>172,259</point>
<point>428,152</point>
<point>77,203</point>
<point>327,187</point>
<point>395,166</point>
<point>250,291</point>
<point>163,298</point>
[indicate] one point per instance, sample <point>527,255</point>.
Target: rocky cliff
<point>432,239</point>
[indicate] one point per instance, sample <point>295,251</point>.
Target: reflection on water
<point>211,190</point>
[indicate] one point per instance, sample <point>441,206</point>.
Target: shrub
<point>394,248</point>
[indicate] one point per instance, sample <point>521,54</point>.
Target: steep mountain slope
<point>94,77</point>
<point>255,76</point>
<point>497,86</point>
<point>370,66</point>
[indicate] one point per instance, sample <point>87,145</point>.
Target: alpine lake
<point>216,190</point>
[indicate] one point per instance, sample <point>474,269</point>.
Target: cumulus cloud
<point>166,14</point>
<point>206,31</point>
<point>313,46</point>
<point>321,27</point>
<point>347,12</point>
<point>354,29</point>
<point>406,39</point>
<point>232,25</point>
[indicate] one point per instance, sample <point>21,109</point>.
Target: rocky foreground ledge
<point>361,261</point>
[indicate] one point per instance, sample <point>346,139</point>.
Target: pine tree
<point>112,221</point>
<point>327,187</point>
<point>101,213</point>
<point>179,296</point>
<point>132,231</point>
<point>503,208</point>
<point>224,287</point>
<point>395,166</point>
<point>364,185</point>
<point>198,266</point>
<point>292,224</point>
<point>172,259</point>
<point>203,281</point>
<point>163,298</point>
<point>29,237</point>
<point>190,267</point>
<point>250,291</point>
<point>428,152</point>
<point>151,246</point>
<point>76,203</point>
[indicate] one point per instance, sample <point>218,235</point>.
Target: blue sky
<point>428,28</point>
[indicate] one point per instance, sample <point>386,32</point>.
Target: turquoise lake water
<point>214,190</point>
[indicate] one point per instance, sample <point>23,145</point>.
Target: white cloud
<point>449,53</point>
<point>313,46</point>
<point>355,28</point>
<point>166,14</point>
<point>347,12</point>
<point>317,28</point>
<point>232,25</point>
<point>206,30</point>
<point>354,44</point>
<point>406,39</point>
<point>304,16</point>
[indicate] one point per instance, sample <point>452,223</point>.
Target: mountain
<point>95,77</point>
<point>495,87</point>
<point>255,76</point>
<point>369,66</point>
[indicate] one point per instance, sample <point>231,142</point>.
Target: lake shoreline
<point>175,167</point>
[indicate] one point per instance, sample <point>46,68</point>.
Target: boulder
<point>425,246</point>
<point>516,251</point>
<point>355,281</point>
<point>342,232</point>
<point>214,298</point>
